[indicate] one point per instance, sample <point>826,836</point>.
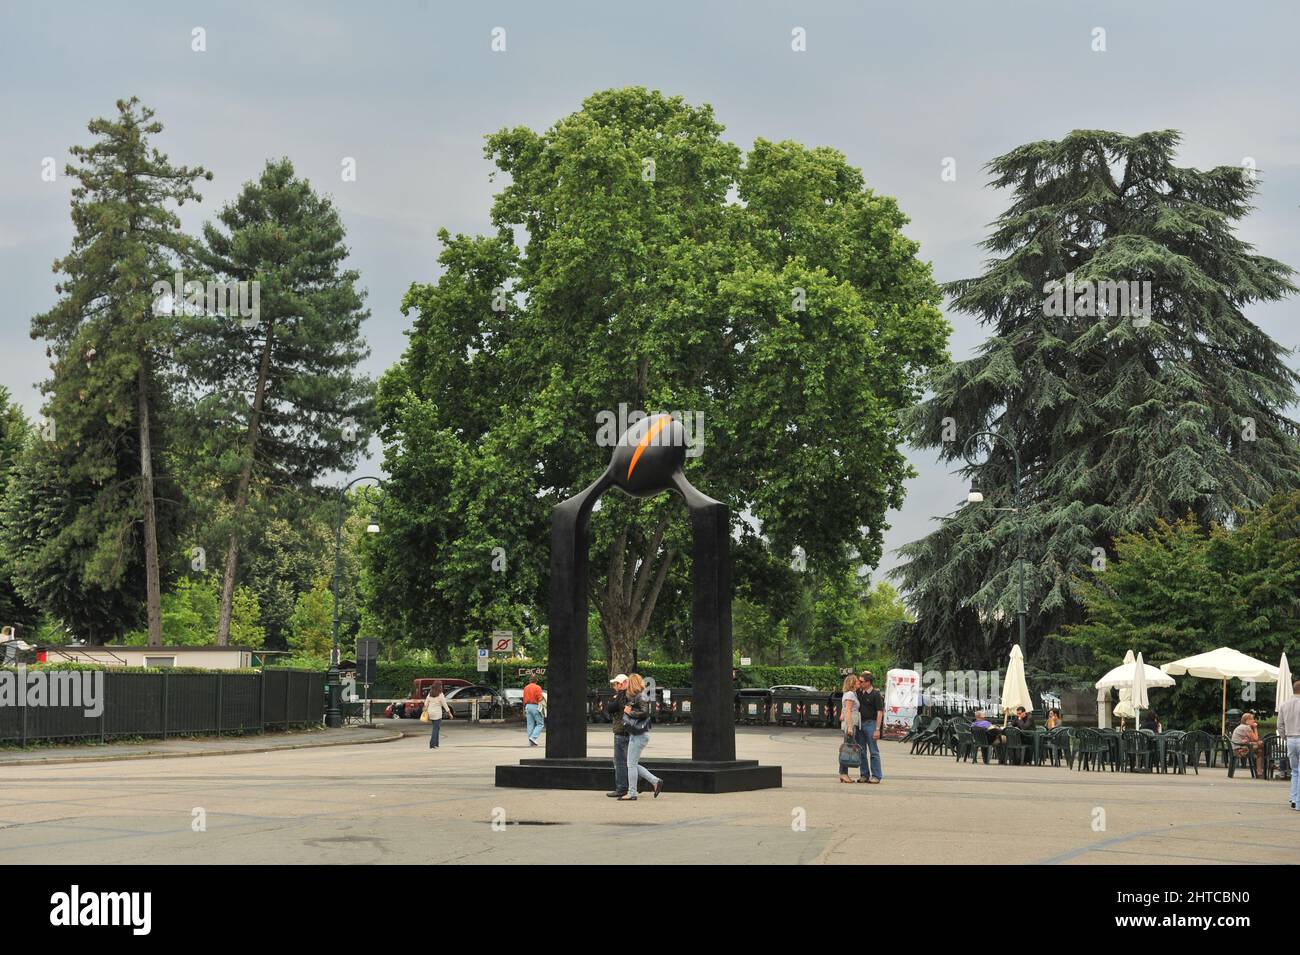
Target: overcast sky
<point>409,88</point>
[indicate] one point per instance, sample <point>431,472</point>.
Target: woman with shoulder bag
<point>435,708</point>
<point>850,751</point>
<point>636,717</point>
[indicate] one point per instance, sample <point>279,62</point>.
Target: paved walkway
<point>402,803</point>
<point>197,746</point>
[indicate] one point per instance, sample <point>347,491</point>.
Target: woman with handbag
<point>435,708</point>
<point>636,717</point>
<point>850,751</point>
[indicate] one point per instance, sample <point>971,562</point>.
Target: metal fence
<point>175,704</point>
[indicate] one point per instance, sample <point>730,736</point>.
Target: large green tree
<point>14,435</point>
<point>1120,420</point>
<point>109,396</point>
<point>278,392</point>
<point>771,294</point>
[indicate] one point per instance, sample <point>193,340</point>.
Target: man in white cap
<point>614,709</point>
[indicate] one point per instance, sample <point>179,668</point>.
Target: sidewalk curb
<point>160,754</point>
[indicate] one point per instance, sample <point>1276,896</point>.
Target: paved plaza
<point>400,803</point>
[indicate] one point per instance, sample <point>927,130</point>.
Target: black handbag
<point>634,726</point>
<point>850,751</point>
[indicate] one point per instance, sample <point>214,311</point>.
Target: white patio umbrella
<point>1015,691</point>
<point>1140,701</point>
<point>1284,691</point>
<point>1224,664</point>
<point>1123,676</point>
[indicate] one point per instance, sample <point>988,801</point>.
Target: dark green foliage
<point>14,436</point>
<point>280,233</point>
<point>1178,590</point>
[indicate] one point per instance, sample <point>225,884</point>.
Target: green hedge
<point>394,679</point>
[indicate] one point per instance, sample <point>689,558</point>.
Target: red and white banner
<point>902,696</point>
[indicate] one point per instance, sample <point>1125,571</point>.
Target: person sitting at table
<point>994,732</point>
<point>1053,719</point>
<point>1245,740</point>
<point>1023,720</point>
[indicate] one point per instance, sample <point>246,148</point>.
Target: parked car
<point>515,697</point>
<point>491,704</point>
<point>794,688</point>
<point>410,707</point>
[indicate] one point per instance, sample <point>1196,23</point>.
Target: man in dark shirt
<point>614,709</point>
<point>1022,720</point>
<point>872,707</point>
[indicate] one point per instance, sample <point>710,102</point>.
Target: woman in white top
<point>850,719</point>
<point>436,705</point>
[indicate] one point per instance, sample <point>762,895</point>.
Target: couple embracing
<point>862,713</point>
<point>629,712</point>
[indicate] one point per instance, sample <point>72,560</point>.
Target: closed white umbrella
<point>1124,708</point>
<point>1284,691</point>
<point>1224,664</point>
<point>1140,701</point>
<point>1015,691</point>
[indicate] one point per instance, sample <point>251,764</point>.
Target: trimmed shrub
<point>393,680</point>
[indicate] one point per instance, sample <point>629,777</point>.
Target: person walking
<point>1288,727</point>
<point>849,721</point>
<point>536,721</point>
<point>636,716</point>
<point>435,708</point>
<point>614,710</point>
<point>871,709</point>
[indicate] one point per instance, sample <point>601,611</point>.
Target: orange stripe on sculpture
<point>655,428</point>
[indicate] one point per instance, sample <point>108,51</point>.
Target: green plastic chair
<point>1056,746</point>
<point>981,743</point>
<point>1014,744</point>
<point>1137,751</point>
<point>963,742</point>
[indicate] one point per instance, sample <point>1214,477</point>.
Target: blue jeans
<point>635,771</point>
<point>620,762</point>
<point>533,714</point>
<point>1293,754</point>
<point>866,739</point>
<point>433,736</point>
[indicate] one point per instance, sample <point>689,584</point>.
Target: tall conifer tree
<point>1120,419</point>
<point>110,343</point>
<point>282,384</point>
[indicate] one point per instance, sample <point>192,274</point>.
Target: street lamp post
<point>976,497</point>
<point>333,686</point>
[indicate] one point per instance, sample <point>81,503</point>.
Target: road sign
<point>745,661</point>
<point>503,641</point>
<point>482,660</point>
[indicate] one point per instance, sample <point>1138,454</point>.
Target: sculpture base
<point>679,775</point>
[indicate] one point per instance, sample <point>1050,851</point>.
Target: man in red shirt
<point>533,711</point>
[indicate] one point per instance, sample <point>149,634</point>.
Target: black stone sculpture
<point>647,461</point>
